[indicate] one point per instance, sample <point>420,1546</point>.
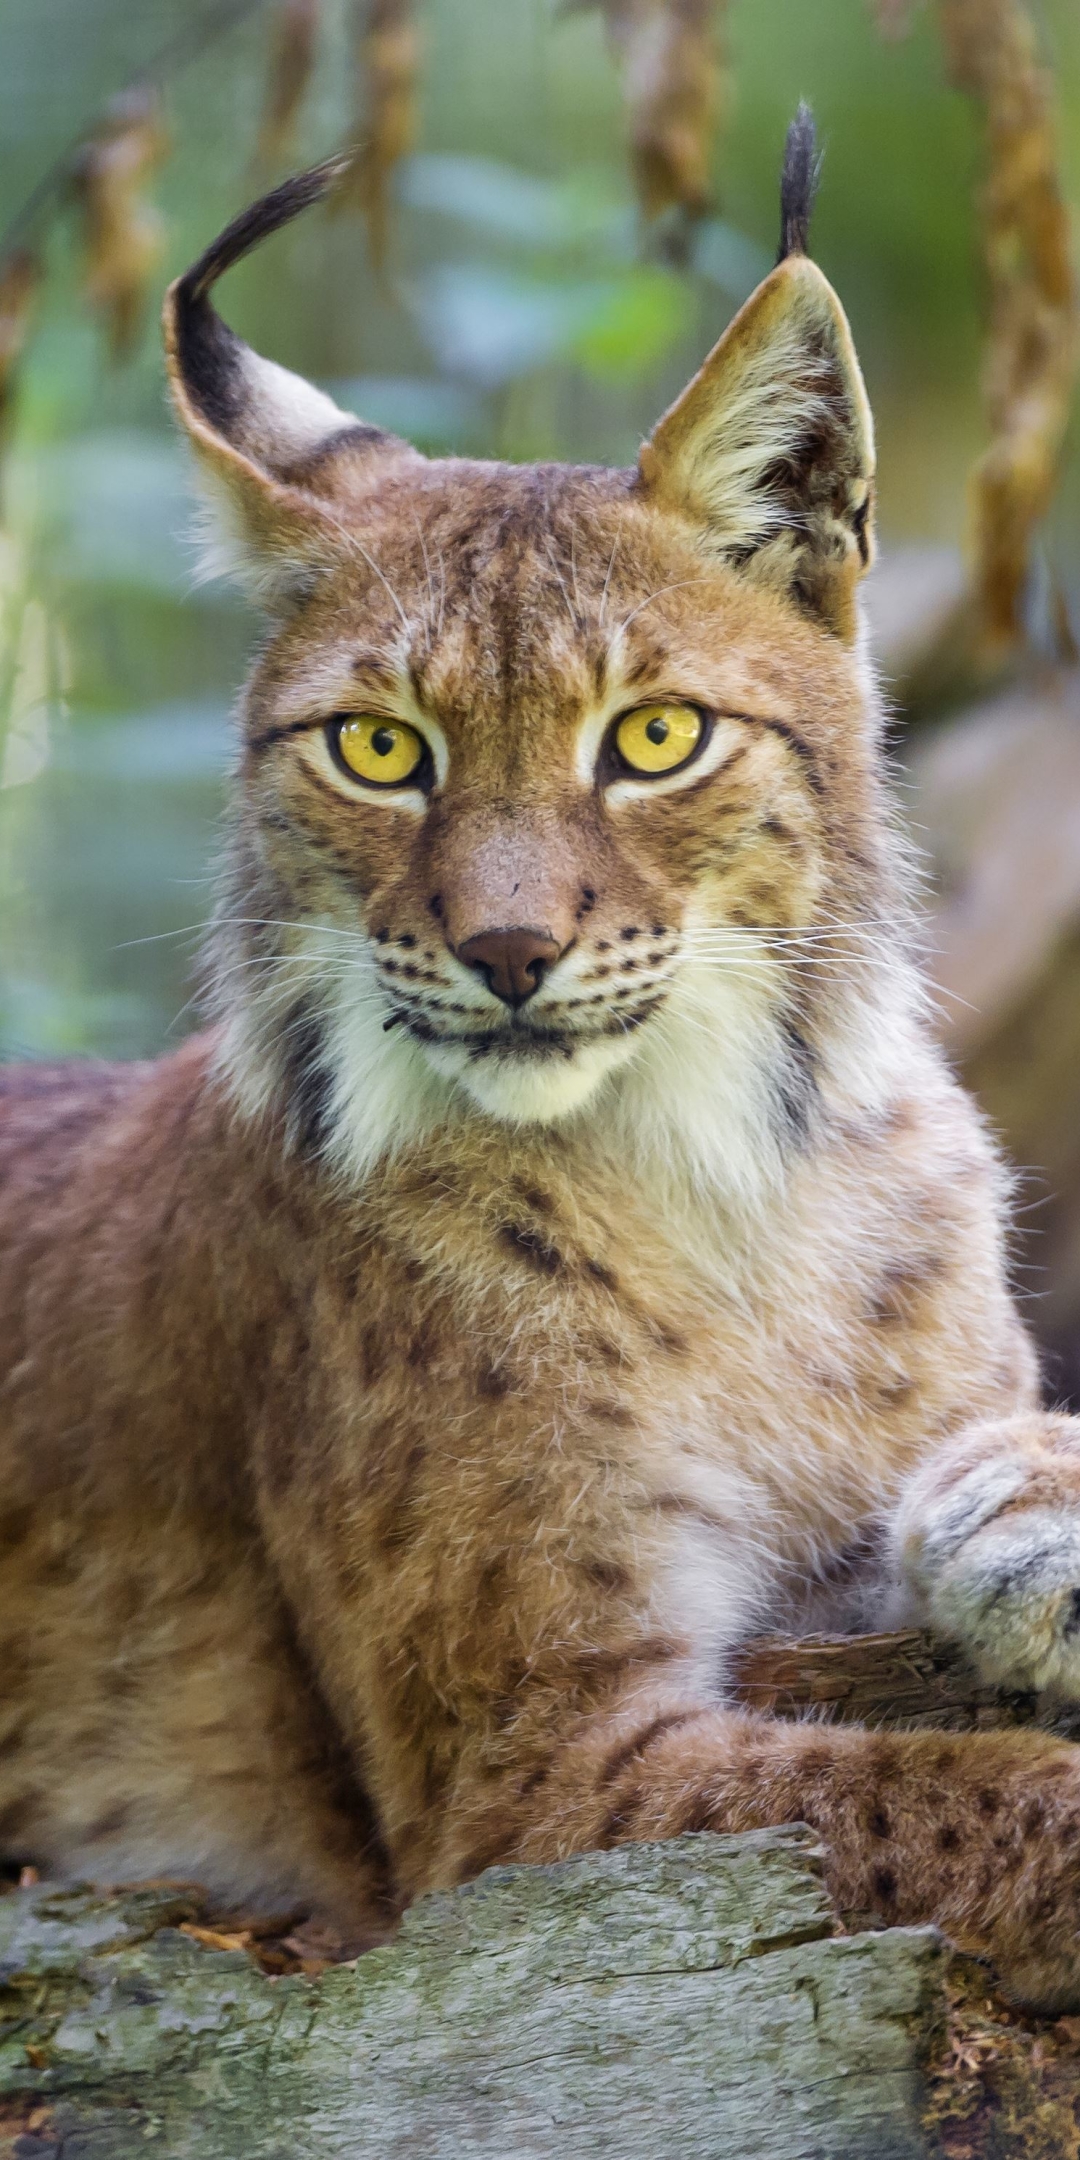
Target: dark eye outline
<point>422,776</point>
<point>613,766</point>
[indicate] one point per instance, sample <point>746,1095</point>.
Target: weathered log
<point>692,1999</point>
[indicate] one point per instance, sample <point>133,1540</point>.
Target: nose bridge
<point>510,869</point>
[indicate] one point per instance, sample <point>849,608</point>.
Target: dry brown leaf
<point>217,1938</point>
<point>122,234</point>
<point>20,277</point>
<point>1031,353</point>
<point>389,56</point>
<point>295,41</point>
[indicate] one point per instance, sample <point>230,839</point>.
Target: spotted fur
<point>411,1397</point>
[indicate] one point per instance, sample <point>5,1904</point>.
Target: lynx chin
<point>565,1251</point>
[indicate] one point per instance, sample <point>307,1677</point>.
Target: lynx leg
<point>987,1550</point>
<point>157,1718</point>
<point>979,1833</point>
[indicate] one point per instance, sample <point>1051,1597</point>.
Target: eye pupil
<point>383,741</point>
<point>657,730</point>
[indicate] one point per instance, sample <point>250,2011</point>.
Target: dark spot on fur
<point>601,1273</point>
<point>609,1353</point>
<point>606,1574</point>
<point>537,1250</point>
<point>19,1816</point>
<point>15,1526</point>
<point>629,933</point>
<point>493,1383</point>
<point>816,1762</point>
<point>621,1818</point>
<point>884,1882</point>
<point>111,1823</point>
<point>669,1339</point>
<point>878,1824</point>
<point>948,1838</point>
<point>611,1412</point>
<point>989,1801</point>
<point>542,1202</point>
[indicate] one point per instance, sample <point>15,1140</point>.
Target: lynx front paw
<point>1003,1577</point>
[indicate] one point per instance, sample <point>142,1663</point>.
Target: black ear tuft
<point>207,352</point>
<point>256,223</point>
<point>798,184</point>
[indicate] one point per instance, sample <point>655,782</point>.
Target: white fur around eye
<point>727,736</point>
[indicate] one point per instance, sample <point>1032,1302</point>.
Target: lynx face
<point>557,783</point>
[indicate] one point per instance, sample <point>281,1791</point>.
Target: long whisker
<point>607,574</point>
<point>358,548</point>
<point>680,586</point>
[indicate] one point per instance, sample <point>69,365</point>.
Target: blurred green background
<point>522,323</point>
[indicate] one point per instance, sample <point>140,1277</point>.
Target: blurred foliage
<point>519,316</point>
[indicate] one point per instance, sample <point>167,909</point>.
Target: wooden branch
<point>906,1679</point>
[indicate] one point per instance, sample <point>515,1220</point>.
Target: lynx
<point>565,1251</point>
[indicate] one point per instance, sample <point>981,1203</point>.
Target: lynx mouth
<point>522,1071</point>
<point>518,1041</point>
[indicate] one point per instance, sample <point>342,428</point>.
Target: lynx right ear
<point>278,454</point>
<point>771,447</point>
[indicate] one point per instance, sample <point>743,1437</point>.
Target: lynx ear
<point>771,446</point>
<point>281,458</point>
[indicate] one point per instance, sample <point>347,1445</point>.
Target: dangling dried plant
<point>296,37</point>
<point>669,54</point>
<point>122,234</point>
<point>389,57</point>
<point>20,277</point>
<point>895,17</point>
<point>1031,354</point>
<point>673,95</point>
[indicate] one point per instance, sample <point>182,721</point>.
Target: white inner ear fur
<point>285,417</point>
<point>786,364</point>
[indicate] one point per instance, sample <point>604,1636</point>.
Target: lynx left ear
<point>771,446</point>
<point>278,453</point>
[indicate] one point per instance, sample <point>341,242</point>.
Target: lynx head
<point>556,783</point>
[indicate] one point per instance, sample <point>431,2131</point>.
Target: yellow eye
<point>657,738</point>
<point>384,752</point>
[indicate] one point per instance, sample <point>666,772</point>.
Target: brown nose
<point>513,961</point>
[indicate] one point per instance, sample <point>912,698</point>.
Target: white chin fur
<point>524,1090</point>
